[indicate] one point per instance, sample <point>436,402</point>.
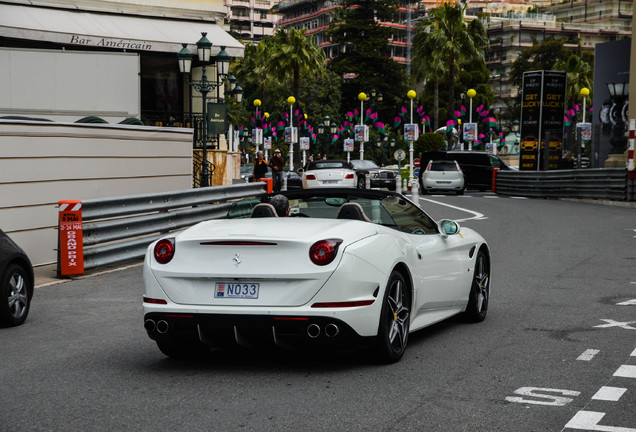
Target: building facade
<point>251,20</point>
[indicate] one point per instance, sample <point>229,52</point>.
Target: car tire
<point>361,183</point>
<point>15,296</point>
<point>461,191</point>
<point>393,330</point>
<point>182,349</point>
<point>477,307</point>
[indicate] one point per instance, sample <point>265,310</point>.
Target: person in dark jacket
<point>260,167</point>
<point>277,163</point>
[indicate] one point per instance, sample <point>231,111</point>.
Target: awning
<point>95,30</point>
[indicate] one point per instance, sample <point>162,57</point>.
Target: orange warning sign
<point>71,238</point>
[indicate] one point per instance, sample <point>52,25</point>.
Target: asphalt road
<point>556,352</point>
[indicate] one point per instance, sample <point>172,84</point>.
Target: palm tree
<point>444,36</point>
<point>580,75</point>
<point>252,71</point>
<point>428,66</point>
<point>295,53</point>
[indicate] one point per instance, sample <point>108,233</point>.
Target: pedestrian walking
<point>277,163</point>
<point>260,167</point>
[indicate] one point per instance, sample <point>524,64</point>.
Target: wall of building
<point>69,85</point>
<point>42,163</point>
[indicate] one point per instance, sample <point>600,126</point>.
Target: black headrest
<point>352,211</point>
<point>263,210</point>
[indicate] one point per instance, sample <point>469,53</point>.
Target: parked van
<point>477,166</point>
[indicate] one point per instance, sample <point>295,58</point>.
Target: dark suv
<point>477,166</point>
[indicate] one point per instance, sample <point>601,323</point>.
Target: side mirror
<point>448,227</point>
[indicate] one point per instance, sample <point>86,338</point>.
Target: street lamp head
<point>515,126</point>
<point>321,128</point>
<point>223,62</point>
<point>362,96</point>
<point>184,57</point>
<point>266,115</point>
<point>232,80</point>
<point>257,102</point>
<point>327,120</point>
<point>204,47</point>
<point>585,92</point>
<point>291,100</point>
<point>238,93</point>
<point>471,93</point>
<point>411,94</point>
<point>379,98</point>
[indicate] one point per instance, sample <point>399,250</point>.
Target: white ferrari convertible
<point>348,267</point>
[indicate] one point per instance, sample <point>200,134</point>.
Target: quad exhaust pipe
<point>331,330</point>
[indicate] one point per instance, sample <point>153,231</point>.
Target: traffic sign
<point>416,163</point>
<point>399,154</point>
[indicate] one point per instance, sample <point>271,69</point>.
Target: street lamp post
<point>471,93</point>
<point>411,95</point>
<point>291,101</point>
<point>257,103</point>
<point>362,97</point>
<point>184,57</point>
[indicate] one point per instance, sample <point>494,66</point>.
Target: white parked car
<point>328,173</point>
<point>349,267</point>
<point>442,175</point>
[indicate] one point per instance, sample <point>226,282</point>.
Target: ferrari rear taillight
<point>310,177</point>
<point>348,176</point>
<point>164,250</point>
<point>428,168</point>
<point>323,252</point>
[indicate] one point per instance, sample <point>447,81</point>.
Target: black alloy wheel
<point>14,296</point>
<point>362,182</point>
<point>480,290</point>
<point>393,332</point>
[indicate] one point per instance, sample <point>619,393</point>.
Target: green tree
<point>580,74</point>
<point>444,36</point>
<point>365,54</point>
<point>294,54</point>
<point>540,56</point>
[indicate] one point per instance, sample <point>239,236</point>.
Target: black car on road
<point>16,283</point>
<point>476,165</point>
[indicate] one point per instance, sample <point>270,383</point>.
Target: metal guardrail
<point>118,229</point>
<point>601,183</point>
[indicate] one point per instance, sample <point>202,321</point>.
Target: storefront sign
<point>217,118</point>
<point>101,42</point>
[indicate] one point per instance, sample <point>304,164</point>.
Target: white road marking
<point>631,302</point>
<point>633,354</point>
<point>611,394</point>
<point>588,420</point>
<point>588,355</point>
<point>541,398</point>
<point>519,198</point>
<point>476,215</point>
<point>626,371</point>
<point>612,323</point>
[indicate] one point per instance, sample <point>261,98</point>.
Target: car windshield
<point>443,166</point>
<point>383,208</point>
<point>364,164</point>
<point>318,165</point>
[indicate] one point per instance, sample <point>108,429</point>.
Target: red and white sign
<point>71,238</point>
<point>416,163</point>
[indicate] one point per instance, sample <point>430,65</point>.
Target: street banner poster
<point>411,132</point>
<point>304,143</point>
<point>361,133</point>
<point>530,120</point>
<point>268,143</point>
<point>217,118</point>
<point>257,136</point>
<point>552,118</point>
<point>291,135</point>
<point>348,145</point>
<point>470,131</point>
<point>586,131</point>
